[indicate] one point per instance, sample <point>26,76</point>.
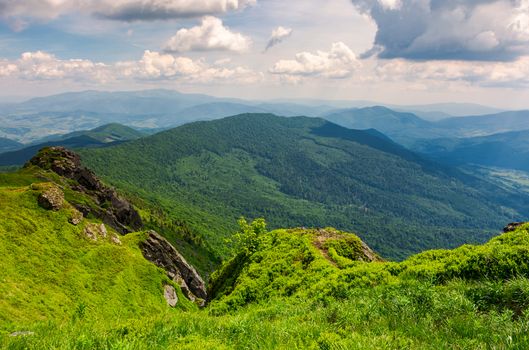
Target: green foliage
<point>247,238</point>
<point>305,172</point>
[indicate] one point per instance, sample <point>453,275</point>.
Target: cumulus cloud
<point>485,74</point>
<point>153,66</point>
<point>278,35</point>
<point>339,62</point>
<point>494,30</point>
<point>21,11</point>
<point>210,35</point>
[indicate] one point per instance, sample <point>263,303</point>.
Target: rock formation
<point>159,251</point>
<point>117,212</point>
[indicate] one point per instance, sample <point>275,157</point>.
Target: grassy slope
<point>51,272</point>
<point>303,172</point>
<point>474,297</point>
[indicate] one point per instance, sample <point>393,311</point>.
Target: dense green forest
<point>306,172</point>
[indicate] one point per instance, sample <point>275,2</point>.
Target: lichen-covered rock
<point>75,217</point>
<point>51,199</point>
<point>115,239</point>
<point>159,251</point>
<point>170,296</point>
<point>110,207</point>
<point>95,231</point>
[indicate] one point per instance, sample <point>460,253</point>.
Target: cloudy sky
<point>392,51</point>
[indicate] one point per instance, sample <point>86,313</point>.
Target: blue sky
<point>392,51</point>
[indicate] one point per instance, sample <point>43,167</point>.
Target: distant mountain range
<point>9,145</point>
<point>34,119</point>
<point>98,137</point>
<point>505,150</point>
<point>407,128</point>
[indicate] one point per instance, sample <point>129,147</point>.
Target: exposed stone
<point>512,226</point>
<point>75,217</point>
<point>95,231</point>
<point>51,199</point>
<point>115,239</point>
<point>21,333</point>
<point>159,251</point>
<point>117,213</point>
<point>170,296</point>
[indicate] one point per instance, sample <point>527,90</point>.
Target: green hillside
<point>310,289</point>
<point>108,133</point>
<point>51,271</point>
<point>306,172</point>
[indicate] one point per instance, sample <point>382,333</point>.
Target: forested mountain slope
<point>306,172</point>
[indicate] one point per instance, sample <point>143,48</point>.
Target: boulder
<point>75,217</point>
<point>160,252</point>
<point>170,296</point>
<point>51,199</point>
<point>95,231</point>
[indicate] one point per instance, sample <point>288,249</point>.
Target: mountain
<point>105,133</point>
<point>9,145</point>
<point>486,124</point>
<point>306,172</point>
<point>98,137</point>
<point>402,127</point>
<point>506,150</point>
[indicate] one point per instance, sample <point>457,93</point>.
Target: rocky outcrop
<point>51,199</point>
<point>513,226</point>
<point>109,207</point>
<point>170,296</point>
<point>159,251</point>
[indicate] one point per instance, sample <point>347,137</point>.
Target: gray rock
<point>76,217</point>
<point>120,214</point>
<point>51,199</point>
<point>170,296</point>
<point>159,251</point>
<point>512,226</point>
<point>95,231</point>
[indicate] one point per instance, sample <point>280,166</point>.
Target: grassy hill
<point>308,289</point>
<point>52,272</point>
<point>105,133</point>
<point>306,172</point>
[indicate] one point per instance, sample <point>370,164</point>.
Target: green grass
<point>50,271</point>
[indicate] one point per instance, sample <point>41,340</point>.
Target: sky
<point>389,51</point>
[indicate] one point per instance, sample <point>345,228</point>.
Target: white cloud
<point>481,30</point>
<point>339,62</point>
<point>210,35</point>
<point>278,35</point>
<point>485,74</point>
<point>19,11</point>
<point>153,66</point>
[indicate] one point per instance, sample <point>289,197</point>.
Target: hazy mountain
<point>506,150</point>
<point>487,124</point>
<point>97,137</point>
<point>9,145</point>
